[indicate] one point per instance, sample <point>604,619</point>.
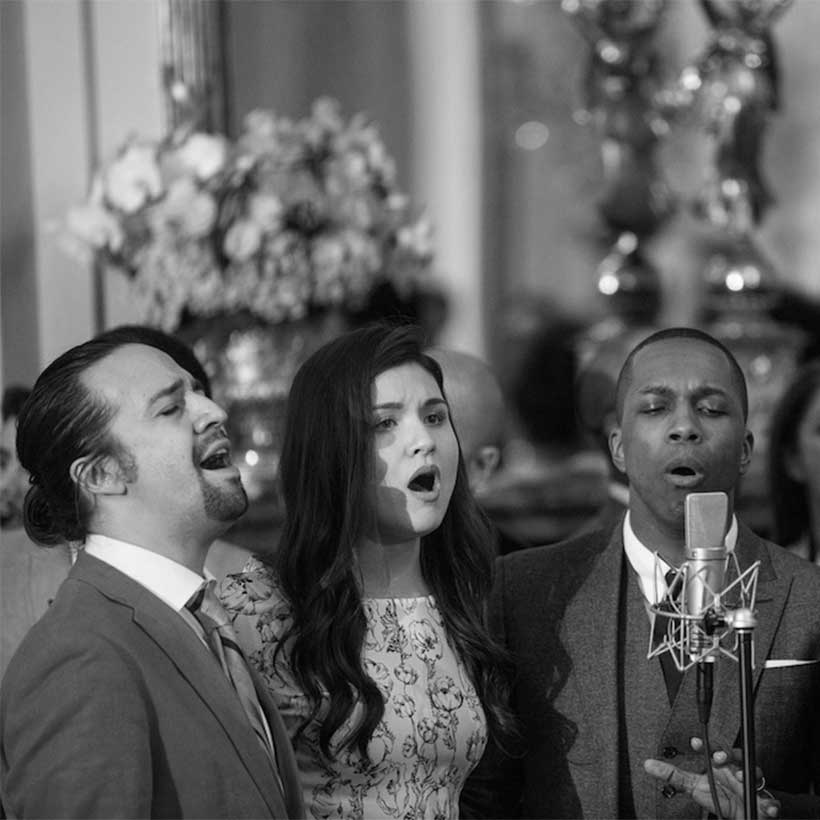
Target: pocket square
<point>777,663</point>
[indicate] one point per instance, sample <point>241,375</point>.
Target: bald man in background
<point>479,413</point>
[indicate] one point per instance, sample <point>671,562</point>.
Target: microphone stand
<point>744,623</point>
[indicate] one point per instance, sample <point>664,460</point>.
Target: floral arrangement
<point>293,217</point>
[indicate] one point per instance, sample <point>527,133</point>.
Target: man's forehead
<point>132,370</point>
<point>678,356</point>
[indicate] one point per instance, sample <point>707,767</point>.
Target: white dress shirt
<point>169,580</point>
<point>649,565</point>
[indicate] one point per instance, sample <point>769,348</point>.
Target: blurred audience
<point>595,397</point>
<point>29,574</point>
<point>794,464</point>
<point>551,481</point>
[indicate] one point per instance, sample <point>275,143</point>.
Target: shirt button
<point>670,752</point>
<point>669,791</point>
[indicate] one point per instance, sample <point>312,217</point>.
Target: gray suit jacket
<point>113,707</point>
<point>557,609</point>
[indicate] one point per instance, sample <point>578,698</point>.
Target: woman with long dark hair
<point>368,624</point>
<point>794,464</point>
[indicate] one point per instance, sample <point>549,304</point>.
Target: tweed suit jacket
<point>557,609</point>
<point>113,707</point>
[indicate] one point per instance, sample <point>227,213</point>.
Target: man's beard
<point>226,502</point>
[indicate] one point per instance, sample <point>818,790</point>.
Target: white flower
<point>266,211</point>
<point>203,154</point>
<point>243,240</point>
<point>297,214</point>
<point>191,210</point>
<point>95,226</point>
<point>133,178</point>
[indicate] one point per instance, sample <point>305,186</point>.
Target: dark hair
<point>178,350</point>
<point>625,376</point>
<point>543,390</point>
<point>14,396</point>
<point>326,457</point>
<point>790,506</point>
<point>61,421</point>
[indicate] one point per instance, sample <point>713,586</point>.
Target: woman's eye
<point>712,411</point>
<point>385,424</point>
<point>438,417</point>
<point>171,410</point>
<point>652,409</point>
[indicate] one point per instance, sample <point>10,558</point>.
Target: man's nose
<point>205,412</point>
<point>685,426</point>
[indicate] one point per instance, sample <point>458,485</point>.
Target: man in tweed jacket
<point>593,708</point>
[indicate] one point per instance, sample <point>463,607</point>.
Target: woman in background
<point>794,464</point>
<point>368,625</point>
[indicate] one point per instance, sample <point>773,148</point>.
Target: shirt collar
<point>171,582</point>
<point>651,573</point>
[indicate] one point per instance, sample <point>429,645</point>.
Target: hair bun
<point>38,518</point>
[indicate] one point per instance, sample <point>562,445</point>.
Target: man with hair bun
<point>127,699</point>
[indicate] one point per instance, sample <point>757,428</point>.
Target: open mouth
<point>683,471</point>
<point>424,480</point>
<point>684,475</point>
<point>217,459</point>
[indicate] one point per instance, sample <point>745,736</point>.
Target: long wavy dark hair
<point>790,503</point>
<point>326,462</point>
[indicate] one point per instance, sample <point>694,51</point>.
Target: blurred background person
<point>794,464</point>
<point>551,481</point>
<point>595,402</point>
<point>481,418</point>
<point>479,413</point>
<point>29,574</point>
<point>368,624</point>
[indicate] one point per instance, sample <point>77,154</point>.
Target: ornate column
<point>193,63</point>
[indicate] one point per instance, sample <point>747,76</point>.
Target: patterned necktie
<point>207,609</point>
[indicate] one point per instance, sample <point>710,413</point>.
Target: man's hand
<point>728,784</point>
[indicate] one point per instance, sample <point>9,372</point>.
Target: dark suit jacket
<point>113,707</point>
<point>557,609</point>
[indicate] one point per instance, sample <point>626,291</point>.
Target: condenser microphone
<point>706,559</point>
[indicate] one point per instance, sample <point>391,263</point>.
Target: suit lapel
<point>772,594</point>
<point>590,633</point>
<point>194,662</point>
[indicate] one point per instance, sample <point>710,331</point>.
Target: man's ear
<point>98,475</point>
<point>746,451</point>
<point>483,464</point>
<point>616,448</point>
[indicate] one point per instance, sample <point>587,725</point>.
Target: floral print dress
<point>433,731</point>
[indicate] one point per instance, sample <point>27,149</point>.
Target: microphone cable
<point>705,689</point>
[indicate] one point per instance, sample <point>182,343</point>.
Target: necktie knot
<point>207,608</point>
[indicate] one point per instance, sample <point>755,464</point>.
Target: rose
<point>203,154</point>
<point>133,178</point>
